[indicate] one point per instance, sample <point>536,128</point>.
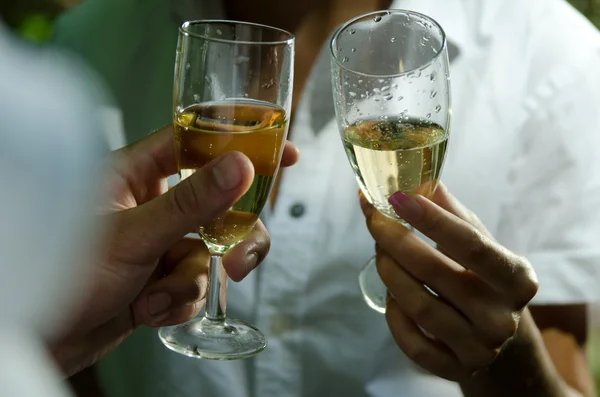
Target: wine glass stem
<point>217,290</point>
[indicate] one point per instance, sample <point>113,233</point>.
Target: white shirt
<point>523,155</point>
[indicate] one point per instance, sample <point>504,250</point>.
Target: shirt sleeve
<point>553,215</point>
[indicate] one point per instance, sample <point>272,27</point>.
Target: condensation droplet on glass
<point>362,96</point>
<point>438,108</point>
<point>428,115</point>
<point>393,39</point>
<point>207,79</point>
<point>383,117</point>
<point>377,91</point>
<point>245,95</point>
<point>351,31</point>
<point>388,97</point>
<point>187,66</point>
<point>219,32</point>
<point>377,18</point>
<point>376,99</point>
<point>352,94</point>
<point>268,84</point>
<point>433,94</point>
<point>353,50</point>
<point>223,97</point>
<point>196,98</point>
<point>433,76</point>
<point>345,59</point>
<point>360,81</point>
<point>385,88</point>
<point>380,80</point>
<point>400,98</point>
<point>238,60</point>
<point>395,86</point>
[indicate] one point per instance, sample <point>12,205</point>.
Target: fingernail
<point>227,173</point>
<point>158,304</point>
<point>251,262</point>
<point>406,207</point>
<point>366,207</point>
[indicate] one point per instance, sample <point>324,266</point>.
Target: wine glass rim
<point>350,22</point>
<point>184,30</point>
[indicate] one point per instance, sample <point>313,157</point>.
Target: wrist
<point>522,368</point>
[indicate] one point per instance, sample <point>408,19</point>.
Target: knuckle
<point>500,328</point>
<point>421,311</point>
<point>384,266</point>
<point>430,222</point>
<point>418,353</point>
<point>483,358</point>
<point>185,199</point>
<point>194,290</point>
<point>479,247</point>
<point>527,282</point>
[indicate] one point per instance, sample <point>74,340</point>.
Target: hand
<point>481,288</point>
<point>148,273</point>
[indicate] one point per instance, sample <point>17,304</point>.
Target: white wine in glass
<point>391,88</point>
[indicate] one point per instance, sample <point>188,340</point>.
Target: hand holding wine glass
<point>454,309</point>
<point>147,272</point>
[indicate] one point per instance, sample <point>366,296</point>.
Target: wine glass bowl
<point>391,86</point>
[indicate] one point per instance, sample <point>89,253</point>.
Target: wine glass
<point>391,89</point>
<point>232,91</point>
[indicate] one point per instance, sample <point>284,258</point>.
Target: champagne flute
<point>391,86</point>
<point>232,91</point>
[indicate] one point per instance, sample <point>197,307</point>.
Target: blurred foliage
<point>32,19</point>
<point>589,8</point>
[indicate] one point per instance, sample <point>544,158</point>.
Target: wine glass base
<point>373,290</point>
<point>214,340</point>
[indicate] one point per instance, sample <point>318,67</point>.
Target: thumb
<point>156,225</point>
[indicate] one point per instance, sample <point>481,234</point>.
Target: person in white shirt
<point>522,156</point>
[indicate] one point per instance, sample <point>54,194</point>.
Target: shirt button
<point>297,210</point>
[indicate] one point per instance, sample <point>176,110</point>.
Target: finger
<point>484,307</point>
<point>447,201</point>
<point>154,154</point>
<point>291,154</point>
<point>499,267</point>
<point>248,254</point>
<point>178,296</point>
<point>423,351</point>
<point>434,315</point>
<point>423,262</point>
<point>156,225</point>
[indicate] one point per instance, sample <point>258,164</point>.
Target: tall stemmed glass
<point>392,98</point>
<point>232,91</point>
